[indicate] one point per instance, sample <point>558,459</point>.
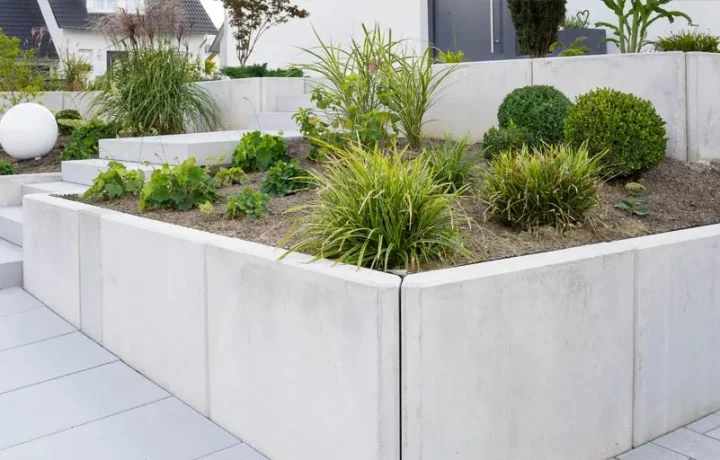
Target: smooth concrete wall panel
<point>11,186</point>
<point>525,359</point>
<point>677,374</point>
<point>153,311</point>
<point>279,86</point>
<point>51,238</point>
<point>304,358</point>
<point>468,100</point>
<point>238,100</point>
<point>703,99</point>
<point>658,77</point>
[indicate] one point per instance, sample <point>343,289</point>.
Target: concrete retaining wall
<point>703,98</point>
<point>299,360</point>
<point>575,354</point>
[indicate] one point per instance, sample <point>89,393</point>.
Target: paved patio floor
<point>63,397</point>
<point>697,441</point>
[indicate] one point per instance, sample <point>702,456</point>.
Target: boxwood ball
<point>28,131</point>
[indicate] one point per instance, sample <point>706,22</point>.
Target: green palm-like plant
<point>634,19</point>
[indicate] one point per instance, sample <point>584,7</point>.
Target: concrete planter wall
<point>574,354</point>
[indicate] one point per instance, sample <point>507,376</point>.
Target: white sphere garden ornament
<point>28,131</point>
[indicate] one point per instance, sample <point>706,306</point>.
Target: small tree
<point>537,23</point>
<point>19,79</point>
<point>252,18</point>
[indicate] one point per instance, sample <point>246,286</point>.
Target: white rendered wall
<point>703,100</point>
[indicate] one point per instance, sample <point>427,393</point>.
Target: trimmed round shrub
<point>67,115</point>
<point>511,138</point>
<point>625,127</point>
<point>539,110</point>
<point>552,185</point>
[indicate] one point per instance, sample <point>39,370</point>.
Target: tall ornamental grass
<point>379,210</point>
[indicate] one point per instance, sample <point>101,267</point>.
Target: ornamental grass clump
<point>553,185</point>
<point>379,210</point>
<point>451,163</point>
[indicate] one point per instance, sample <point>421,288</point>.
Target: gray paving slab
<point>15,300</point>
<point>31,326</point>
<point>41,410</point>
<point>652,452</point>
<point>164,430</point>
<point>50,359</point>
<point>237,452</point>
<point>706,424</point>
<point>694,445</point>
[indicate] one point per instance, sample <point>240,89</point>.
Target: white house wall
<point>336,23</point>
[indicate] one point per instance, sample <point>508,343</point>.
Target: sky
<point>215,10</point>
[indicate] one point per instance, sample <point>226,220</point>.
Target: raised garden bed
<point>47,164</point>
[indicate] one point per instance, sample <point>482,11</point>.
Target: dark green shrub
<point>689,41</point>
<point>84,141</point>
<point>247,203</point>
<point>226,177</point>
<point>67,115</point>
<point>7,168</point>
<point>378,210</point>
<point>553,185</point>
<point>537,23</point>
<point>257,151</point>
<point>285,179</point>
<point>539,110</point>
<point>627,127</point>
<point>259,70</point>
<point>512,138</point>
<point>116,182</point>
<point>451,164</point>
<point>182,187</point>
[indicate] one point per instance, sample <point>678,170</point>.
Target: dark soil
<point>47,164</point>
<point>681,196</point>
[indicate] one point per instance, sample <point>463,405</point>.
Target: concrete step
<point>273,121</point>
<point>11,265</point>
<point>293,103</point>
<point>84,172</point>
<point>55,188</point>
<point>11,221</point>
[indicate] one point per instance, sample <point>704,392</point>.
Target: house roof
<point>73,14</point>
<point>24,20</point>
<point>215,47</point>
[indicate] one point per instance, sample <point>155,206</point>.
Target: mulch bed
<point>48,164</point>
<point>681,196</point>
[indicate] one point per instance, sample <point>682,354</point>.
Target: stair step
<point>11,224</point>
<point>11,265</point>
<point>271,121</point>
<point>84,172</point>
<point>293,103</point>
<point>55,188</point>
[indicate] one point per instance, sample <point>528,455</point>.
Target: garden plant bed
<point>674,205</point>
<point>47,164</point>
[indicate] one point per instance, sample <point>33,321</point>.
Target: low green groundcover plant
<point>247,203</point>
<point>226,177</point>
<point>625,126</point>
<point>689,41</point>
<point>259,70</point>
<point>512,138</point>
<point>182,187</point>
<point>7,168</point>
<point>67,129</point>
<point>257,151</point>
<point>540,110</point>
<point>84,142</point>
<point>451,164</point>
<point>114,183</point>
<point>285,178</point>
<point>553,185</point>
<point>377,209</point>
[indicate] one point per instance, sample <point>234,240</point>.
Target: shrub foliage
<point>378,210</point>
<point>226,177</point>
<point>247,203</point>
<point>182,187</point>
<point>7,168</point>
<point>539,110</point>
<point>67,115</point>
<point>84,142</point>
<point>257,151</point>
<point>116,182</point>
<point>512,138</point>
<point>626,126</point>
<point>537,23</point>
<point>554,185</point>
<point>285,179</point>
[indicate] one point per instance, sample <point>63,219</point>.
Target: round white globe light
<point>28,131</point>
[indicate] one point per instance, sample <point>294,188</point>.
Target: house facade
<point>481,28</point>
<point>70,26</point>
